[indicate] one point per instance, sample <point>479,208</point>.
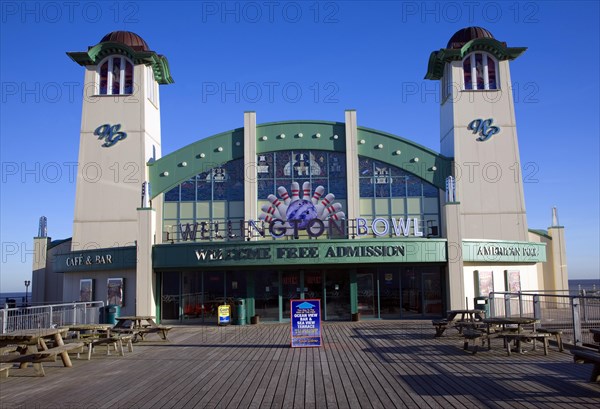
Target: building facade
<point>372,224</point>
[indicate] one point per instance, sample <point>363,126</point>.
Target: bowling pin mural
<point>301,207</point>
<point>283,194</point>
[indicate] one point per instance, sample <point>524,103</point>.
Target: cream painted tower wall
<point>489,183</point>
<point>109,179</point>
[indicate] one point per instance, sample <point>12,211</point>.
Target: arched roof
<point>465,41</point>
<point>464,35</point>
<point>128,38</point>
<point>131,46</point>
<point>177,167</point>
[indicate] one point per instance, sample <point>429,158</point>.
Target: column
<point>145,287</point>
<point>456,278</point>
<point>353,210</point>
<point>559,259</point>
<point>250,192</point>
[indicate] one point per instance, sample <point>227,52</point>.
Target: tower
<point>478,129</point>
<point>120,134</point>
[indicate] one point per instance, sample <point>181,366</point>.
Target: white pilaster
<point>145,282</point>
<point>353,209</point>
<point>559,258</point>
<point>456,279</point>
<point>38,276</point>
<point>250,192</point>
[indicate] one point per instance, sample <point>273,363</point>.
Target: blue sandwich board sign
<point>306,323</point>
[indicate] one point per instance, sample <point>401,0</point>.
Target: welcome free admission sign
<point>306,323</point>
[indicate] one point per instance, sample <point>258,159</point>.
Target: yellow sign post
<point>224,313</point>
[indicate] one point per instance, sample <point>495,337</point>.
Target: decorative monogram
<point>484,128</point>
<point>110,134</point>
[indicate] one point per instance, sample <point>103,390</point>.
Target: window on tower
<point>115,76</point>
<point>480,72</point>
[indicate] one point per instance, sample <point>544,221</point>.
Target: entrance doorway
<point>337,295</point>
<point>366,294</point>
<point>266,293</point>
<point>386,291</point>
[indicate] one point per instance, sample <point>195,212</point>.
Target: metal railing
<point>573,314</point>
<point>47,316</point>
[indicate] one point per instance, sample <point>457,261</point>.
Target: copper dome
<point>463,36</point>
<point>128,38</point>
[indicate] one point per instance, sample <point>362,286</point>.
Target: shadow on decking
<point>495,387</point>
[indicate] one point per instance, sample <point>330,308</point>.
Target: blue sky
<point>297,60</point>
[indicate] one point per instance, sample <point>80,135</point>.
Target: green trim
<point>199,156</point>
<point>117,258</point>
<point>423,167</point>
<point>353,292</point>
<point>296,253</point>
<point>541,232</point>
<point>309,140</point>
<point>55,243</point>
<point>232,144</point>
<point>94,55</point>
<point>157,297</point>
<point>491,251</point>
<point>438,59</point>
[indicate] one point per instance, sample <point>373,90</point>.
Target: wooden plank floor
<point>368,364</point>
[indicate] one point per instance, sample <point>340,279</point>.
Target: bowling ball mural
<point>302,205</point>
<point>302,210</point>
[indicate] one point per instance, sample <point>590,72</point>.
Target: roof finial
<point>43,229</point>
<point>555,217</point>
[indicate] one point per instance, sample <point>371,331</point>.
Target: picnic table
<point>516,333</point>
<point>94,335</point>
<point>468,318</point>
<point>32,347</point>
<point>139,326</point>
<point>589,356</point>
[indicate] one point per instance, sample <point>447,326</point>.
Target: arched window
<point>115,76</point>
<point>480,72</point>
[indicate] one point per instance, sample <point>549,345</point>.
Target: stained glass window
<point>218,194</point>
<point>387,191</point>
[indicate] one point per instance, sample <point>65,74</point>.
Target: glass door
<point>290,290</point>
<point>313,285</point>
<point>432,293</point>
<point>337,295</point>
<point>169,299</point>
<point>411,293</point>
<point>266,291</point>
<point>389,293</point>
<point>191,296</point>
<point>366,294</point>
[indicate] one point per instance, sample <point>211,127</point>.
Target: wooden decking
<point>379,364</point>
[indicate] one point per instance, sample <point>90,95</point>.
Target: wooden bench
<point>440,326</point>
<point>47,355</point>
<point>523,337</point>
<point>117,341</point>
<point>162,330</point>
<point>475,336</point>
<point>468,325</point>
<point>4,370</point>
<point>557,333</point>
<point>588,357</point>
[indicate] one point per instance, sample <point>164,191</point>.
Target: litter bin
<point>240,311</point>
<point>109,314</point>
<point>481,303</point>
